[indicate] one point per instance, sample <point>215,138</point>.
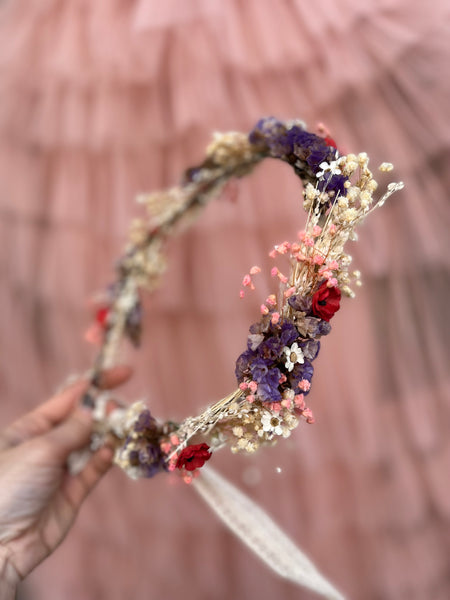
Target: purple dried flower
<point>259,368</point>
<point>243,363</point>
<point>310,349</point>
<point>323,327</point>
<point>268,386</point>
<point>312,327</point>
<point>191,174</point>
<point>301,371</point>
<point>309,149</point>
<point>254,340</point>
<point>133,324</point>
<point>300,303</point>
<point>333,183</point>
<point>145,455</point>
<point>149,454</point>
<point>145,422</point>
<point>270,132</point>
<point>133,457</point>
<point>289,333</point>
<point>271,347</point>
<point>262,326</point>
<point>305,150</point>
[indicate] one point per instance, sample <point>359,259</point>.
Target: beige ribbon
<point>261,534</point>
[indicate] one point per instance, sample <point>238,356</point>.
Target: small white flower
<point>272,423</point>
<point>294,355</point>
<point>116,421</point>
<point>331,168</point>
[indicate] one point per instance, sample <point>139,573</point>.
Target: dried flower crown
<point>274,373</point>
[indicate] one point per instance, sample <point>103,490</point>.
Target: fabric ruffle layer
<point>100,101</point>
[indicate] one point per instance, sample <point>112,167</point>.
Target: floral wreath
<point>274,373</point>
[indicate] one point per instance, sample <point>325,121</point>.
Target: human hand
<point>39,499</point>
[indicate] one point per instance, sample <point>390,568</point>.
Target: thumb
<point>72,434</point>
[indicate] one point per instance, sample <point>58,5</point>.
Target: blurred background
<point>102,100</point>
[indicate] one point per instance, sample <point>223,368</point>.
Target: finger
<point>60,406</point>
<point>55,410</point>
<point>70,435</point>
<point>42,419</point>
<point>76,488</point>
<point>111,378</point>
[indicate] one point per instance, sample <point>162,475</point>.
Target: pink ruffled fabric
<point>101,100</point>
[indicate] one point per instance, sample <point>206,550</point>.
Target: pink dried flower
<point>304,385</point>
<point>271,300</point>
<point>254,270</point>
<point>94,334</point>
<point>166,447</point>
<point>275,318</point>
<point>308,415</point>
<point>299,401</point>
<point>283,248</point>
<point>277,273</point>
<point>289,292</point>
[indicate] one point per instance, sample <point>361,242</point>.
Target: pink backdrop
<point>101,100</point>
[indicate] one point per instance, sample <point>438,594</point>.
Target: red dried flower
<point>101,315</point>
<point>325,302</point>
<point>193,457</point>
<point>330,142</point>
